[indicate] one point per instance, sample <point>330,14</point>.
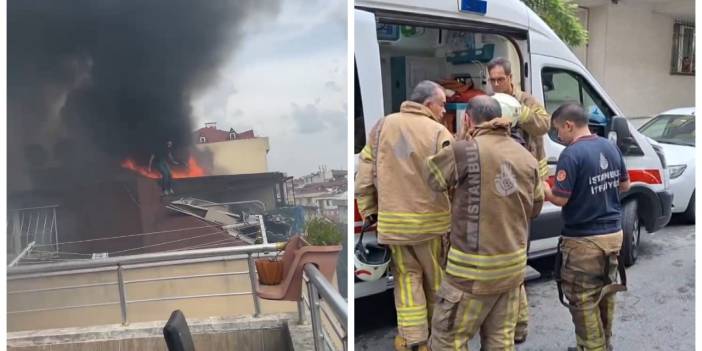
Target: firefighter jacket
<point>498,190</point>
<point>534,122</point>
<point>390,182</point>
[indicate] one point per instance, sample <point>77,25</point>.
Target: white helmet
<point>371,259</point>
<point>511,108</point>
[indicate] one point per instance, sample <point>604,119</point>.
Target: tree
<point>560,15</point>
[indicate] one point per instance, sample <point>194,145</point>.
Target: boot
<point>401,345</point>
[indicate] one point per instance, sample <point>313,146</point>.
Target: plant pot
<point>270,271</point>
<point>297,254</point>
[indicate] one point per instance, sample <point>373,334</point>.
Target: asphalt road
<point>657,313</point>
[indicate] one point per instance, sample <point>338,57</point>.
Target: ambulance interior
<point>455,59</point>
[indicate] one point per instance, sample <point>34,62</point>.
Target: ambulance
<point>399,43</point>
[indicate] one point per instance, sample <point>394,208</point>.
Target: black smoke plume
<point>91,82</point>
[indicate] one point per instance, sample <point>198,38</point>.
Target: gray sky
<point>287,81</point>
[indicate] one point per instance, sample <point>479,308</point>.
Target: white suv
<point>675,131</point>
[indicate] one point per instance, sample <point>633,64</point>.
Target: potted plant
<point>270,269</point>
<point>322,232</point>
<point>320,245</point>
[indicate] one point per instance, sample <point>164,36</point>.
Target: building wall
<point>238,156</point>
<point>93,213</point>
<point>630,52</point>
<point>581,51</point>
<point>116,338</point>
<point>596,47</point>
<point>343,213</point>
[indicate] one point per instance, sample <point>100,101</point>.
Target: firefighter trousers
<point>459,315</point>
<point>588,265</point>
<point>418,274</point>
<point>521,331</point>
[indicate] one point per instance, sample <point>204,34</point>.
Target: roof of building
<point>338,196</point>
<point>317,194</point>
<point>339,185</point>
<point>214,135</point>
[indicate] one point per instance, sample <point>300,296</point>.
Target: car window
<point>671,129</point>
<point>654,129</point>
<point>561,86</point>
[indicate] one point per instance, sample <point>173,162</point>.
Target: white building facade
<point>641,51</point>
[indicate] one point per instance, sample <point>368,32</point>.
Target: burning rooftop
<point>191,170</point>
<point>92,87</point>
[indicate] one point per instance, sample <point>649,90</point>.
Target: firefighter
<point>589,177</point>
<point>411,217</point>
<point>531,125</point>
<point>498,190</point>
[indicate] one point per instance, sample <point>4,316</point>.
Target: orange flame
<point>192,170</point>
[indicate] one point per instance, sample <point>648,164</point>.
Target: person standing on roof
<point>532,123</point>
<point>589,178</point>
<point>411,217</point>
<point>161,157</point>
<point>498,190</point>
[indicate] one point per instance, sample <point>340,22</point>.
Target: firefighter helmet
<point>511,108</point>
<point>371,259</point>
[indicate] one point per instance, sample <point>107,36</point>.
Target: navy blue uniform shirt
<point>588,174</point>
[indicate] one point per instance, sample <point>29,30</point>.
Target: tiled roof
<point>214,135</point>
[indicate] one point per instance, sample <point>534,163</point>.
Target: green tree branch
<point>561,16</point>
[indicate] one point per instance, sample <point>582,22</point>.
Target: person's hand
<point>547,192</point>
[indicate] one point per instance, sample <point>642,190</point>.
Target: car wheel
<point>631,226</point>
<point>689,214</point>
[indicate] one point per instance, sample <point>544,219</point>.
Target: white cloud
<point>287,81</point>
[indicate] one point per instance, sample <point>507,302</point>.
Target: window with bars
<point>683,58</point>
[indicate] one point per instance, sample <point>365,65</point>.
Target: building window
<point>203,140</point>
<point>683,59</point>
<point>232,136</point>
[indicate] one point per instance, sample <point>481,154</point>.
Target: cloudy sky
<point>287,82</point>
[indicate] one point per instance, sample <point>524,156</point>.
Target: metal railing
<point>318,288</point>
<point>22,254</point>
<point>33,224</point>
